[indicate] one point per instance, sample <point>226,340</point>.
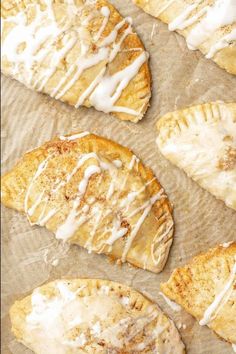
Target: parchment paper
<point>32,256</point>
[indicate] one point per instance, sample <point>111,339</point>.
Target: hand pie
<point>95,193</point>
<point>206,288</point>
<point>207,25</point>
<point>202,141</point>
<point>81,52</point>
<point>92,316</point>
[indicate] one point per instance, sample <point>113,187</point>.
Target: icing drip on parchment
<point>220,299</point>
<point>126,207</point>
<point>205,22</point>
<point>36,51</point>
<point>69,321</point>
<point>175,307</point>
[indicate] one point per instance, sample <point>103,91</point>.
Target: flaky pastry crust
<point>95,193</point>
<point>81,52</point>
<point>215,36</point>
<point>206,288</point>
<point>202,141</point>
<point>92,316</point>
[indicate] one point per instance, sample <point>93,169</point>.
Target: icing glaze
<point>74,136</point>
<point>109,89</point>
<point>42,166</point>
<point>206,21</point>
<point>126,209</point>
<point>222,43</point>
<point>27,46</point>
<point>105,11</point>
<point>65,323</point>
<point>138,225</point>
<point>222,13</point>
<point>164,7</point>
<point>196,138</point>
<point>234,347</point>
<point>220,299</point>
<point>226,244</point>
<point>175,307</point>
<point>181,21</point>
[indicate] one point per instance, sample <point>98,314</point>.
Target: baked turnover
<point>95,193</point>
<point>206,288</point>
<point>79,51</point>
<point>207,25</point>
<point>202,141</point>
<point>92,316</point>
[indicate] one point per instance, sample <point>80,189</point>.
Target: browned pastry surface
<point>208,282</point>
<point>208,25</point>
<point>81,52</point>
<point>95,193</point>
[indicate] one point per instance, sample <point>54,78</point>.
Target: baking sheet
<point>32,256</point>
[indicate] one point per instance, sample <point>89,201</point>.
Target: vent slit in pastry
<point>206,288</point>
<point>79,52</point>
<point>207,25</point>
<point>202,141</point>
<point>92,316</point>
<point>93,192</point>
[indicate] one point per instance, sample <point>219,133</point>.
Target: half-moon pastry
<point>207,25</point>
<point>81,52</point>
<point>92,316</point>
<point>206,288</point>
<point>202,141</point>
<point>95,193</point>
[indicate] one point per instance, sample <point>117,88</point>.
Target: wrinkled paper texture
<point>32,256</point>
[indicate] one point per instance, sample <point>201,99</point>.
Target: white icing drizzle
<point>211,19</point>
<point>117,163</point>
<point>71,224</point>
<point>116,232</point>
<point>90,88</point>
<point>42,220</point>
<point>81,65</point>
<point>175,307</point>
<point>226,244</point>
<point>164,7</point>
<point>110,88</point>
<point>181,21</point>
<point>28,46</point>
<point>222,43</point>
<point>67,229</point>
<point>68,321</point>
<point>113,34</point>
<point>56,58</point>
<point>33,208</point>
<point>133,160</point>
<point>105,11</point>
<point>117,46</point>
<point>37,41</point>
<point>74,136</point>
<point>42,166</point>
<point>234,347</point>
<point>118,209</point>
<point>220,299</point>
<point>138,225</point>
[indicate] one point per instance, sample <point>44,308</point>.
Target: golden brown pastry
<point>202,141</point>
<point>95,193</point>
<point>92,316</point>
<point>207,25</point>
<point>79,51</point>
<point>206,288</point>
